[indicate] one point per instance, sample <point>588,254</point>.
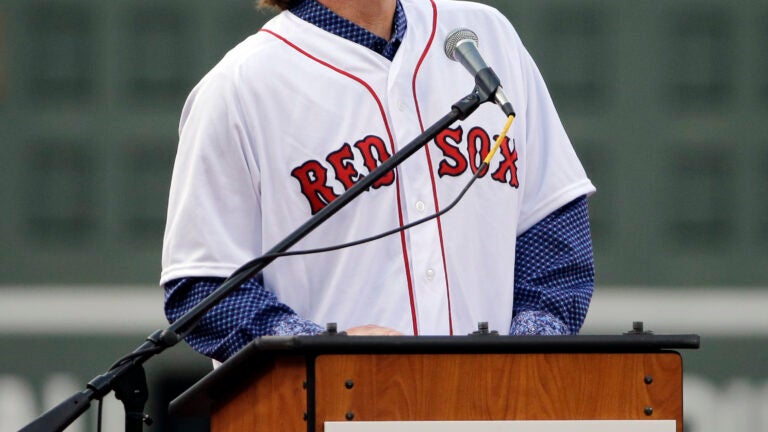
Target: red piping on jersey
<point>429,162</point>
<point>392,146</point>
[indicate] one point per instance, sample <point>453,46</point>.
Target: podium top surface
<point>477,344</point>
<point>198,399</point>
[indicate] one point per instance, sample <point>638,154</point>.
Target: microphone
<point>461,46</point>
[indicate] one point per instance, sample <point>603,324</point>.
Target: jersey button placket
<point>420,206</point>
<point>430,274</point>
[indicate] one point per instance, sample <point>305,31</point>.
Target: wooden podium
<point>292,384</point>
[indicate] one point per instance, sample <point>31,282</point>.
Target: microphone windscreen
<point>456,36</point>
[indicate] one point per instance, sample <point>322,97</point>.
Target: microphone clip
<point>486,84</point>
<point>488,89</point>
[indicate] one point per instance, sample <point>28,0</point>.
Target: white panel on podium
<point>505,426</point>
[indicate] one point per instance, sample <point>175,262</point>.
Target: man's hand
<point>372,330</point>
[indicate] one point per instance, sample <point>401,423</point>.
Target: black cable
<point>98,416</point>
<point>246,267</point>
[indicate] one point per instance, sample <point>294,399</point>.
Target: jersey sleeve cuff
<point>537,323</point>
<point>295,326</point>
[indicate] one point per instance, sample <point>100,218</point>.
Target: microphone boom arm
<point>59,417</point>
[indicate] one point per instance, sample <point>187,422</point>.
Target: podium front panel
<point>460,387</point>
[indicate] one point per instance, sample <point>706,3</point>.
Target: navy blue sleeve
<point>554,273</point>
<point>554,278</point>
<point>249,312</point>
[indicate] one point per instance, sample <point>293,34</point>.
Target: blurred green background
<point>664,101</point>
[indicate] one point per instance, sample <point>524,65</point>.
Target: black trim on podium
<point>230,377</point>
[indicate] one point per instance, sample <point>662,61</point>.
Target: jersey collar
<point>315,13</point>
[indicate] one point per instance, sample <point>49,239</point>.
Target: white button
<point>401,105</point>
<point>430,274</point>
<point>420,206</point>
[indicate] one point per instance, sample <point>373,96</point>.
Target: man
<point>326,91</point>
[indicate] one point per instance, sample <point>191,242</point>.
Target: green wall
<point>663,100</point>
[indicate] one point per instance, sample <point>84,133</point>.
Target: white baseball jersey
<point>293,116</point>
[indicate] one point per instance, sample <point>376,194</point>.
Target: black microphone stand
<point>127,378</point>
